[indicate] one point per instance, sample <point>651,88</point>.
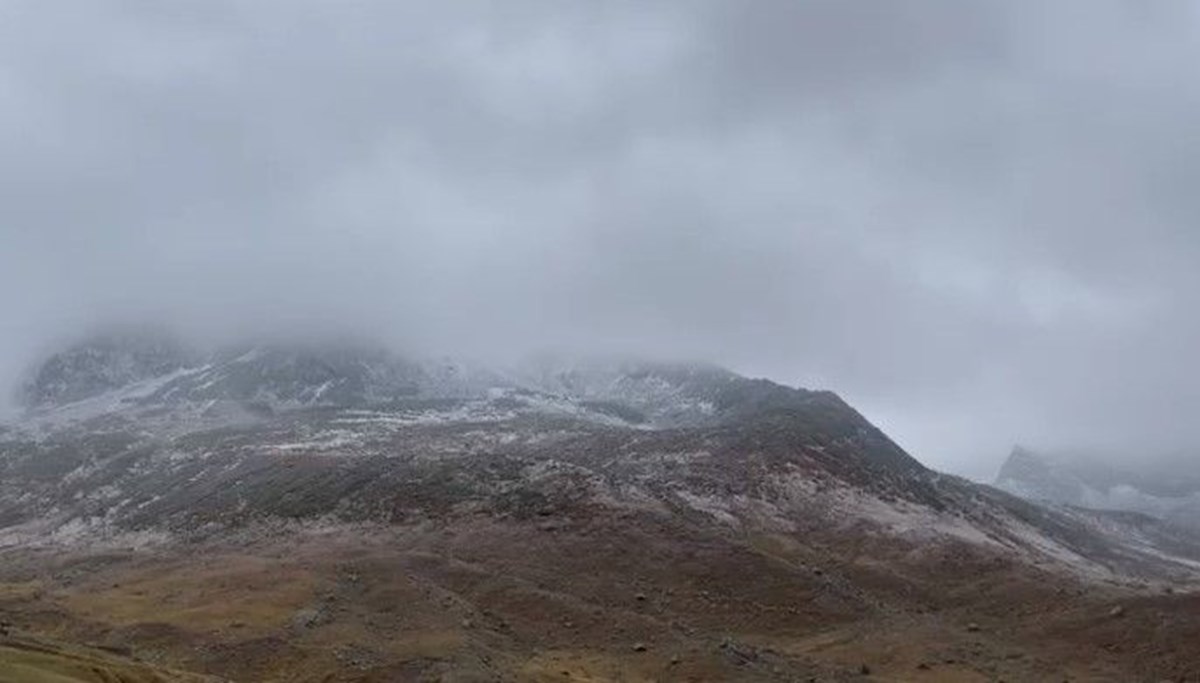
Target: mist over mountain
<point>128,367</point>
<point>260,496</point>
<point>633,340</point>
<point>1165,487</point>
<point>951,214</point>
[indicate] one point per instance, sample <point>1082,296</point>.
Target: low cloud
<point>974,220</point>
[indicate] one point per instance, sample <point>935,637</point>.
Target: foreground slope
<point>338,513</point>
<point>25,658</point>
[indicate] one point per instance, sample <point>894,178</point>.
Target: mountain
<point>1166,489</point>
<point>104,362</point>
<point>340,512</point>
<point>157,370</point>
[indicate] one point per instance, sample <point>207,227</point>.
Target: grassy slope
<point>36,660</point>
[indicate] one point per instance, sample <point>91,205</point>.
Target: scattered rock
<point>306,618</point>
<point>739,654</point>
<point>467,623</point>
<point>639,647</point>
<point>116,649</point>
<point>357,657</point>
<point>640,597</point>
<point>675,660</point>
<point>1117,611</point>
<point>924,666</point>
<point>973,627</point>
<point>864,670</point>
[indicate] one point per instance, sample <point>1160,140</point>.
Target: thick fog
<point>977,221</point>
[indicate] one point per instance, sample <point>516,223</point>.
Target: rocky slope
<point>337,512</point>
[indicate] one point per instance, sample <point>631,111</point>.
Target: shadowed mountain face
<point>1162,488</point>
<point>314,512</point>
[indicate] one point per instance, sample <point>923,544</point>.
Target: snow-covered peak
<point>664,392</point>
<point>139,379</point>
<point>103,363</point>
<point>290,374</point>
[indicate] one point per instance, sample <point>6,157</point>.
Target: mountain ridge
<point>430,518</point>
<point>329,400</point>
<point>288,375</point>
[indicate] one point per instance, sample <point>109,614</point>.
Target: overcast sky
<point>978,221</point>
